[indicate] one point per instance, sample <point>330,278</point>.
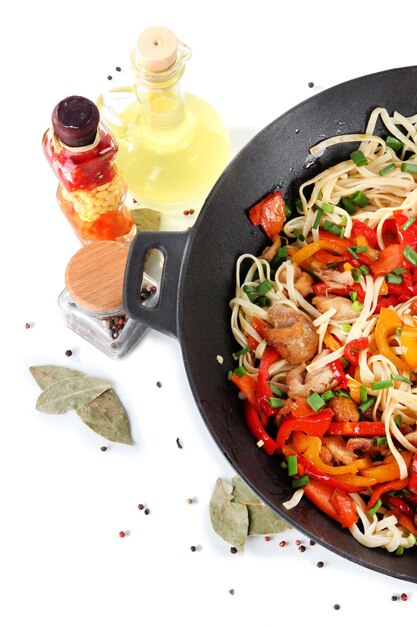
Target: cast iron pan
<point>198,282</point>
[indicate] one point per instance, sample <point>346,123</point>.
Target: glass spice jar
<point>92,302</point>
<point>91,191</point>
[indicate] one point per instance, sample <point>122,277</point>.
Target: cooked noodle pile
<point>388,194</point>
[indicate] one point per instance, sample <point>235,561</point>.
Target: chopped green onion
<point>346,327</point>
<point>375,508</point>
<point>348,206</point>
<point>327,395</point>
<point>357,306</point>
<point>401,379</point>
<point>367,405</point>
<point>318,219</point>
<point>282,252</point>
<point>409,168</point>
<point>352,252</point>
<point>360,199</point>
<point>353,295</point>
<point>393,279</point>
<point>260,443</point>
<point>394,143</point>
<point>240,371</point>
<point>316,402</point>
<point>408,223</point>
<point>387,169</point>
<point>399,331</point>
<point>364,269</point>
<point>327,208</point>
<point>410,255</point>
<point>276,403</point>
<point>229,374</point>
<point>331,227</point>
<point>342,233</point>
<point>262,301</point>
<point>298,234</point>
<point>287,211</point>
<point>406,493</point>
<point>279,258</point>
<point>380,441</point>
<point>292,465</point>
<point>343,219</point>
<point>298,203</point>
<point>358,158</point>
<point>342,394</point>
<point>331,266</point>
<point>399,551</point>
<point>264,287</point>
<point>363,393</point>
<point>398,420</point>
<point>300,482</point>
<point>249,289</point>
<point>345,362</point>
<point>360,248</point>
<point>401,270</point>
<point>284,465</point>
<point>356,275</point>
<point>236,355</point>
<point>275,390</point>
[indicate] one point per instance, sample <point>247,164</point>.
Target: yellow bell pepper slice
<point>355,390</point>
<point>386,471</point>
<point>305,253</point>
<point>356,481</point>
<point>408,341</point>
<point>331,342</point>
<point>310,448</point>
<point>387,324</point>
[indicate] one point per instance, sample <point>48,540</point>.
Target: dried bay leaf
<point>262,519</point>
<point>145,219</point>
<point>72,392</point>
<point>106,416</point>
<point>229,519</point>
<point>46,375</point>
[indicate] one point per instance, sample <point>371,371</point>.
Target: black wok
<point>198,282</point>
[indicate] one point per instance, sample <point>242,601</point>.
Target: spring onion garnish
<point>367,405</point>
<point>382,384</point>
<point>264,287</point>
<point>353,295</point>
<point>331,266</point>
<point>298,203</point>
<point>276,403</point>
<point>398,420</point>
<point>352,252</point>
<point>300,482</point>
<point>316,402</point>
<point>394,143</point>
<point>240,371</point>
<point>327,395</point>
<point>262,301</point>
<point>410,255</point>
<point>292,465</point>
<point>346,327</point>
<point>348,206</point>
<point>298,234</point>
<point>400,551</point>
<point>327,208</point>
<point>375,508</point>
<point>399,331</point>
<point>318,219</point>
<point>342,233</point>
<point>401,379</point>
<point>364,269</point>
<point>360,199</point>
<point>409,168</point>
<point>380,441</point>
<point>363,393</point>
<point>387,169</point>
<point>331,227</point>
<point>287,211</point>
<point>249,289</point>
<point>408,223</point>
<point>356,275</point>
<point>401,270</point>
<point>342,394</point>
<point>275,390</point>
<point>236,355</point>
<point>260,443</point>
<point>280,256</point>
<point>393,279</point>
<point>282,252</point>
<point>358,158</point>
<point>357,306</point>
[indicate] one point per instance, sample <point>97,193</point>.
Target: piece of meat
<point>282,316</point>
<point>303,281</point>
<point>335,279</point>
<point>345,409</point>
<point>326,455</point>
<point>296,343</point>
<point>342,305</point>
<point>269,253</point>
<point>366,445</point>
<point>339,451</point>
<point>314,382</point>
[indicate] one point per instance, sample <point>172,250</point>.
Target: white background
<point>63,501</point>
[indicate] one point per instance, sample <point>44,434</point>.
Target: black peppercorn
<point>68,352</point>
<point>233,550</point>
<point>320,564</point>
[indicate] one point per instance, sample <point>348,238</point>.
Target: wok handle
<point>164,315</point>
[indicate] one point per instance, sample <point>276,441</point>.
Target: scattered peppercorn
<point>189,501</point>
<point>122,534</point>
<point>192,211</point>
<point>233,550</point>
<point>311,84</point>
<point>109,77</point>
<point>193,549</point>
<point>68,352</point>
<point>146,511</point>
<point>186,212</point>
<point>336,607</point>
<point>394,598</point>
<point>312,542</point>
<point>134,201</point>
<point>297,542</point>
<point>320,564</point>
<point>232,592</point>
<point>302,548</point>
<point>179,444</point>
<point>159,384</point>
<point>27,325</point>
<point>118,69</point>
<point>103,448</point>
<point>282,544</point>
<point>267,538</point>
<point>141,507</point>
<point>404,597</point>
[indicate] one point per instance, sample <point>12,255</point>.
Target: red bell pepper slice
<point>393,485</point>
<point>247,386</point>
<point>340,507</point>
<point>257,430</point>
<point>412,484</point>
<point>263,390</point>
<point>399,504</point>
<point>360,228</point>
<point>260,326</point>
<point>315,425</point>
<point>406,237</point>
<point>351,348</point>
<point>405,520</point>
<point>357,429</point>
<point>390,259</point>
<point>314,472</point>
<point>339,373</point>
<point>323,256</point>
<point>269,213</point>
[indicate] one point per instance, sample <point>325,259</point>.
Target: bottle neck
<point>161,108</point>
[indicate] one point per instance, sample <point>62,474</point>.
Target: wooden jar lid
<point>157,47</point>
<point>94,276</point>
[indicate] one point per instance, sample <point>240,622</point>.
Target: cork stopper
<point>94,276</point>
<point>157,47</point>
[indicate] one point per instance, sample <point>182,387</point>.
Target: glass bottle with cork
<point>92,301</point>
<point>91,191</point>
<point>172,146</point>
